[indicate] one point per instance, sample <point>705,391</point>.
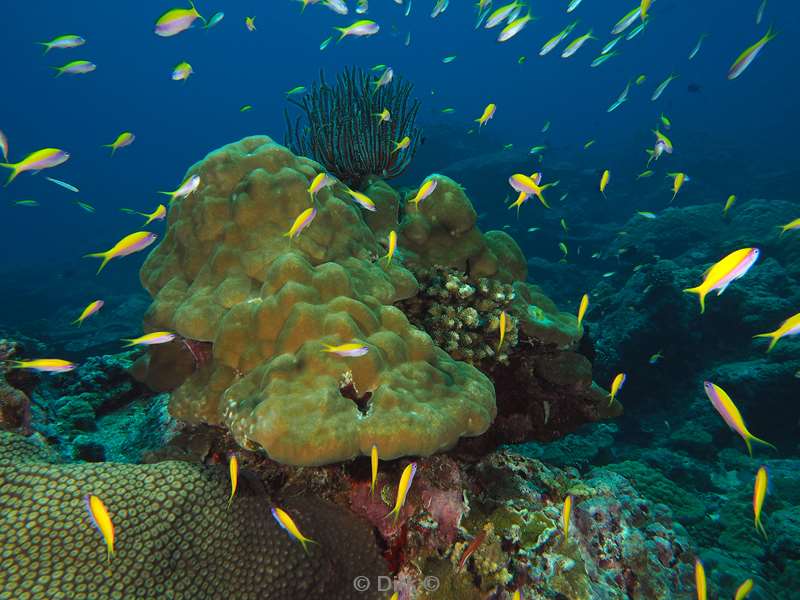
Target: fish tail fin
<point>104,255</point>
<point>773,339</point>
<point>170,194</point>
<point>760,527</point>
<point>544,202</point>
<point>129,344</point>
<point>59,71</point>
<point>78,321</point>
<point>388,258</point>
<point>396,512</point>
<point>701,293</point>
<point>771,34</point>
<point>46,46</point>
<point>199,16</point>
<point>759,441</point>
<point>341,30</point>
<point>783,230</point>
<point>14,171</point>
<point>304,541</point>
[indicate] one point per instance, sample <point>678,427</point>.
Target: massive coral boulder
<point>225,274</point>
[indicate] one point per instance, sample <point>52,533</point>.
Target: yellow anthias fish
<point>320,182</point>
<point>488,113</point>
<point>233,469</point>
<point>604,181</point>
<point>743,591</point>
<point>791,226</point>
<point>374,464</point>
<point>406,479</point>
<point>616,386</point>
<point>384,116</point>
<point>582,308</point>
<point>45,365</point>
<point>125,138</point>
<point>91,309</point>
<point>424,191</point>
<point>151,339</point>
<point>677,182</point>
<point>351,349</point>
<point>502,327</point>
<point>790,326</point>
<point>720,275</point>
<point>392,247</point>
<point>102,521</point>
<point>250,23</point>
<point>127,245</point>
<point>759,493</point>
<point>700,580</point>
<point>402,144</point>
<point>728,204</point>
<point>566,515</point>
<point>287,523</point>
<point>159,214</point>
<point>36,161</point>
<point>730,414</point>
<point>302,221</point>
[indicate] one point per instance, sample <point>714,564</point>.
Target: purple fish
<point>176,20</point>
<point>76,67</point>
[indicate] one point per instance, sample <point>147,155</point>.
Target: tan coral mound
<point>226,274</point>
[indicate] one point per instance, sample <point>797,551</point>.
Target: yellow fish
<point>791,226</point>
<point>384,116</point>
<point>730,414</point>
<point>700,580</point>
<point>502,328</point>
<point>91,309</point>
<point>425,190</point>
<point>616,385</point>
<point>102,520</point>
<point>677,182</point>
<point>302,221</point>
<point>36,161</point>
<point>374,461</point>
<point>250,23</point>
<point>759,493</point>
<point>406,479</point>
<point>643,8</point>
<point>392,247</point>
<point>743,591</point>
<point>151,339</point>
<point>127,245</point>
<point>402,144</point>
<point>566,515</point>
<point>728,205</point>
<point>720,275</point>
<point>488,113</point>
<point>45,365</point>
<point>287,523</point>
<point>564,226</point>
<point>351,349</point>
<point>516,596</point>
<point>582,308</point>
<point>123,139</point>
<point>604,181</point>
<point>159,214</point>
<point>790,326</point>
<point>320,182</point>
<point>233,469</point>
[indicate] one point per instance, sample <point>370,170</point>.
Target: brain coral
<point>175,536</point>
<point>226,274</point>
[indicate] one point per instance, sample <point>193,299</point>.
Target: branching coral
<point>339,126</point>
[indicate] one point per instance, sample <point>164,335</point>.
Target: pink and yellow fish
<point>287,524</point>
<point>566,515</point>
<point>392,247</point>
<point>151,339</point>
<point>176,20</point>
<point>529,186</point>
<point>749,55</point>
<point>721,274</point>
<point>302,221</point>
<point>233,470</point>
<point>790,326</point>
<point>45,158</point>
<point>362,200</point>
<point>759,494</point>
<point>424,191</point>
<point>45,365</point>
<point>351,349</point>
<point>124,139</point>
<point>406,479</point>
<point>320,182</point>
<point>731,415</point>
<point>374,465</point>
<point>159,214</point>
<point>130,244</point>
<point>487,114</point>
<point>91,309</point>
<point>616,386</point>
<point>743,591</point>
<point>102,521</point>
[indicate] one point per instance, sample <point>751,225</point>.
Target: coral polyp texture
<point>226,274</point>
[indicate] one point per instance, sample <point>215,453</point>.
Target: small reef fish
<point>537,149</point>
<point>700,580</point>
<point>487,114</point>
<point>233,470</point>
<point>502,327</point>
<point>759,493</point>
<point>26,203</point>
<point>760,11</point>
<point>546,127</point>
<point>176,20</point>
<point>214,20</point>
<point>656,358</point>
<point>554,41</point>
<point>603,58</point>
<point>743,591</point>
<point>610,45</point>
<point>124,139</point>
<point>246,107</point>
<point>425,190</point>
<point>76,67</point>
<point>720,275</point>
<point>728,204</point>
<point>643,8</point>
<point>604,181</point>
<point>471,548</point>
<point>302,221</point>
<point>582,308</point>
<point>358,29</point>
<point>665,121</point>
<point>349,350</point>
<point>189,185</point>
<point>563,224</point>
<point>362,200</point>
<point>791,226</point>
<point>647,173</point>
<point>528,186</point>
<point>731,415</point>
<point>337,6</point>
<point>566,515</point>
<point>402,144</point>
<point>647,214</point>
<point>663,86</point>
<point>621,99</point>
<point>406,479</point>
<point>448,111</point>
<point>102,521</point>
<point>448,59</point>
<point>616,386</point>
<point>296,90</point>
<point>362,7</point>
<point>63,184</point>
<point>696,48</point>
<point>159,214</point>
<point>576,44</point>
<point>439,8</point>
<point>287,524</point>
<point>4,145</point>
<point>326,42</point>
<point>392,247</point>
<point>384,116</point>
<point>514,27</point>
<point>626,21</point>
<point>641,79</point>
<point>127,245</point>
<point>45,158</point>
<point>91,309</point>
<point>573,5</point>
<point>45,365</point>
<point>151,339</point>
<point>749,55</point>
<point>374,467</point>
<point>677,183</point>
<point>589,144</point>
<point>250,23</point>
<point>790,326</point>
<point>63,42</point>
<point>501,14</point>
<point>635,31</point>
<point>385,79</point>
<point>182,71</point>
<point>319,183</point>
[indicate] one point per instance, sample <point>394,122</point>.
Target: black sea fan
<point>340,128</point>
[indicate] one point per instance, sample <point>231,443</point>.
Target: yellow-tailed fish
<point>528,186</point>
<point>125,138</point>
<point>759,493</point>
<point>45,158</point>
<point>287,524</point>
<point>392,247</point>
<point>127,245</point>
<point>487,114</point>
<point>563,247</point>
<point>554,41</point>
<point>250,23</point>
<point>176,20</point>
<point>45,365</point>
<point>358,29</point>
<point>663,86</point>
<point>643,8</point>
<point>348,350</point>
<point>720,275</point>
<point>63,42</point>
<point>76,67</point>
<point>696,49</point>
<point>233,470</point>
<point>159,214</point>
<point>182,71</point>
<point>502,14</point>
<point>91,309</point>
<point>728,204</point>
<point>576,44</point>
<point>677,182</point>
<point>374,464</point>
<point>406,479</point>
<point>747,57</point>
<point>384,116</point>
<point>790,326</point>
<point>626,21</point>
<point>743,591</point>
<point>302,221</point>
<point>362,200</point>
<point>102,521</point>
<point>151,339</point>
<point>582,308</point>
<point>319,183</point>
<point>402,144</point>
<point>791,226</point>
<point>655,358</point>
<point>700,580</point>
<point>604,181</point>
<point>616,386</point>
<point>425,190</point>
<point>566,515</point>
<point>502,326</point>
<point>731,415</point>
